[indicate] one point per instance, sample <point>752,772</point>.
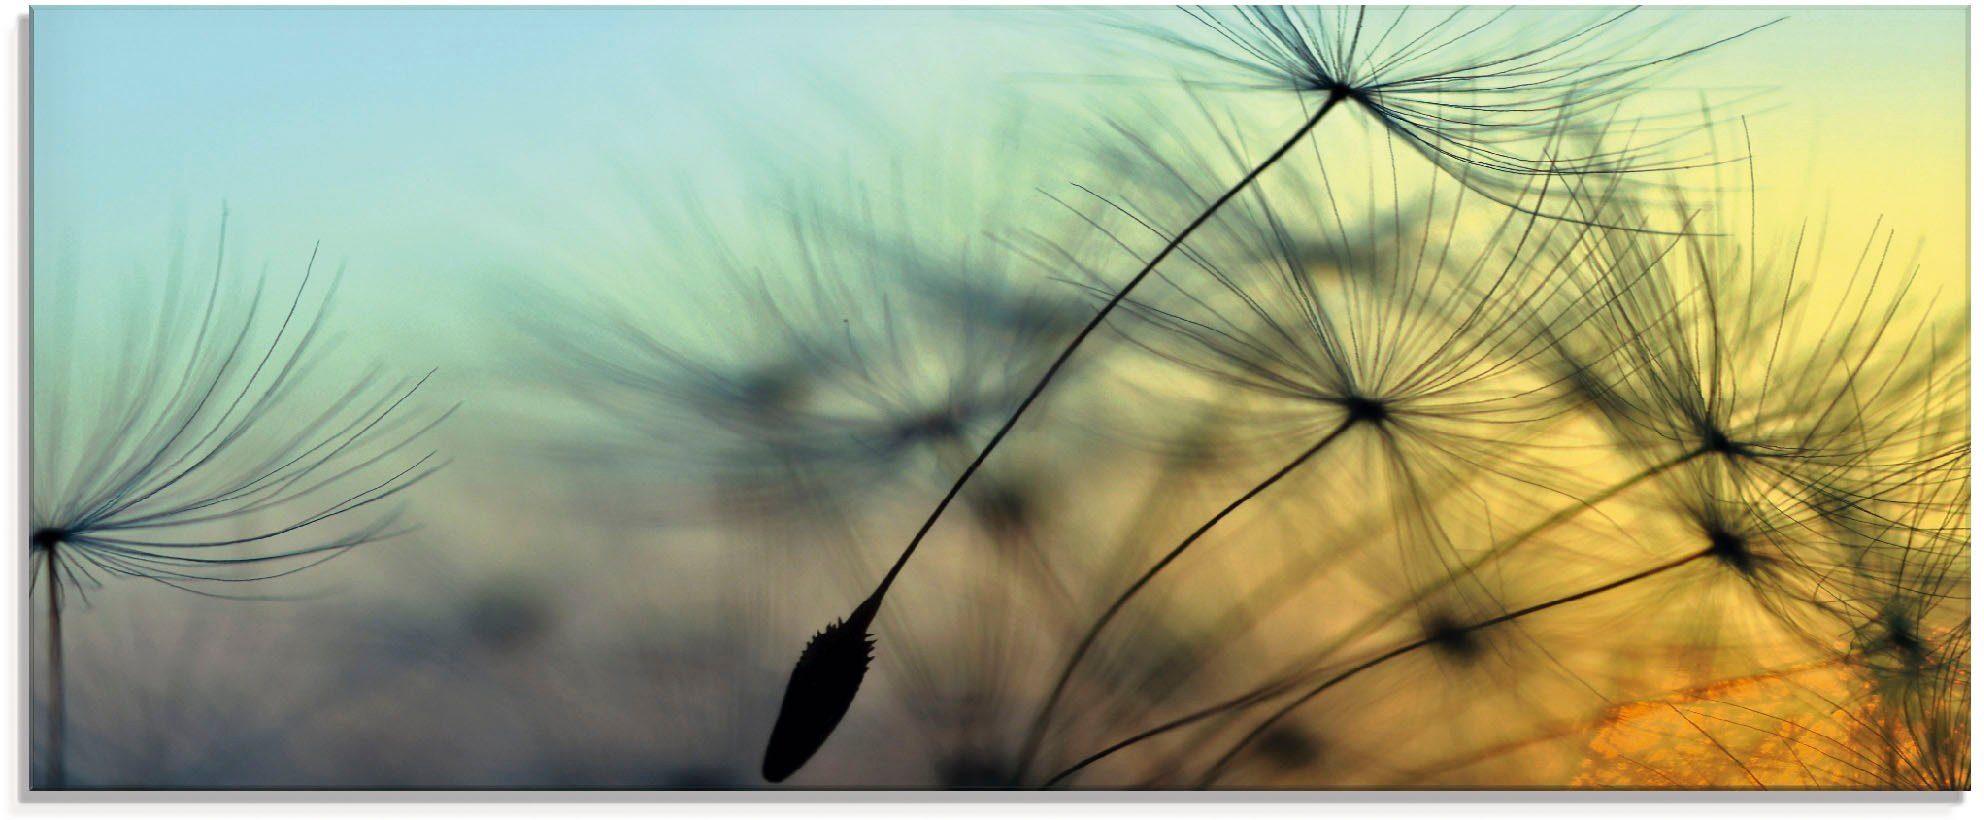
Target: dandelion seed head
<point>1718,442</point>
<point>1487,95</point>
<point>1709,349</point>
<point>1732,550</point>
<point>1298,294</point>
<point>1899,633</point>
<point>823,686</point>
<point>1452,638</point>
<point>213,457</point>
<point>1364,410</point>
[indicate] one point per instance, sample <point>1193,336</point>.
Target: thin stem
<point>1507,545</point>
<point>1040,721</point>
<point>1220,765</point>
<point>864,613</point>
<point>1093,323</point>
<point>1378,619</point>
<point>56,708</point>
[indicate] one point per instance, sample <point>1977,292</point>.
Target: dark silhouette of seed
<point>1368,410</point>
<point>1451,638</point>
<point>1717,441</point>
<point>1901,635</point>
<point>1732,551</point>
<point>822,687</point>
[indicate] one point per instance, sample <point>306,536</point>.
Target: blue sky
<point>427,146</point>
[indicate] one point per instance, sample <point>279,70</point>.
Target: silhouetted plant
<point>1401,334</point>
<point>1397,84</point>
<point>1477,436</point>
<point>1755,508</point>
<point>847,375</point>
<point>196,455</point>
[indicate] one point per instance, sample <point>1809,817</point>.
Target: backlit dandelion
<point>209,459</point>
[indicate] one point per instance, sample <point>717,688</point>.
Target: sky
<point>404,138</point>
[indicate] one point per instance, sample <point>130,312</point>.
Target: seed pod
<point>823,685</point>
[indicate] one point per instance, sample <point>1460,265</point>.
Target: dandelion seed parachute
<point>1338,93</point>
<point>1862,416</point>
<point>834,372</point>
<point>1400,338</point>
<point>877,330</point>
<point>1714,344</point>
<point>198,454</point>
<point>217,424</point>
<point>1486,94</point>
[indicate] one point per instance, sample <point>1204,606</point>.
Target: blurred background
<point>586,602</point>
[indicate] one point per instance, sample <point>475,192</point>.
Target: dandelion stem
<point>1340,677</point>
<point>56,708</point>
<point>1220,765</point>
<point>1289,583</point>
<point>864,613</point>
<point>1377,619</point>
<point>1038,731</point>
<point>1509,544</point>
<point>1094,322</point>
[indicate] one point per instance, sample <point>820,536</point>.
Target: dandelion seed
<point>842,386</point>
<point>1415,349</point>
<point>1485,94</point>
<point>1449,636</point>
<point>211,424</point>
<point>823,686</point>
<point>1708,346</point>
<point>1339,89</point>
